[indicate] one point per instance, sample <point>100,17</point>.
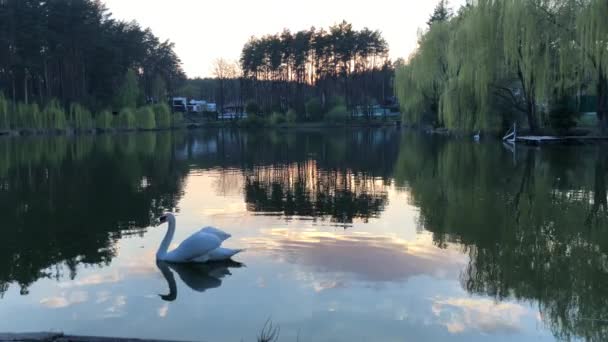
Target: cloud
<point>362,256</point>
<point>94,279</point>
<point>64,301</point>
<point>460,315</point>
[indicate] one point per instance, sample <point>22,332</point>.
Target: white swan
<point>202,246</point>
<point>477,136</point>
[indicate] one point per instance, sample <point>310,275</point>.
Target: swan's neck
<point>164,246</point>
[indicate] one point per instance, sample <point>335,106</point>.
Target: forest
<point>537,63</point>
<point>69,63</point>
<point>311,75</point>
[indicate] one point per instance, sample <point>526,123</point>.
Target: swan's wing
<point>197,245</point>
<point>222,235</point>
<point>221,254</point>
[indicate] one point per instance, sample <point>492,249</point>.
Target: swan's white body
<point>477,136</point>
<point>202,246</point>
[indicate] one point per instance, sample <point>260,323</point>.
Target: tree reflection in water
<point>67,201</point>
<point>536,230</point>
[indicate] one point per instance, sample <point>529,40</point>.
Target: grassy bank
<point>53,118</point>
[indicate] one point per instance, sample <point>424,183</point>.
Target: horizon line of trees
<point>285,70</point>
<point>75,52</point>
<point>493,63</point>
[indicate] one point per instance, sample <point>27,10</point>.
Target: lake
<point>351,235</point>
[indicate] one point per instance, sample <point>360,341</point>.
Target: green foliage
<point>337,114</point>
<point>291,116</point>
<point>253,121</point>
<point>4,119</point>
<point>81,118</point>
<point>561,117</point>
<point>145,118</point>
<point>128,93</point>
<point>276,119</point>
<point>441,13</point>
<point>252,108</point>
<point>54,116</point>
<point>162,115</point>
<point>104,120</point>
<point>28,117</point>
<point>494,55</point>
<point>314,109</point>
<point>126,119</point>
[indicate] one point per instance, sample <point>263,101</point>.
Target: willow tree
<point>529,42</point>
<point>592,26</point>
<point>475,60</point>
<point>420,83</point>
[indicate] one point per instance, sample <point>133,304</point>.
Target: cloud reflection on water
<point>482,315</point>
<point>365,256</point>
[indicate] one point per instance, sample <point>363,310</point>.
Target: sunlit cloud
<point>460,315</point>
<point>65,300</point>
<point>94,279</point>
<point>361,255</point>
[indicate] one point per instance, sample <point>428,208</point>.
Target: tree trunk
<point>530,102</point>
<point>602,102</point>
<point>531,114</point>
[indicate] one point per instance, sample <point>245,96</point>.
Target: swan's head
<point>166,218</point>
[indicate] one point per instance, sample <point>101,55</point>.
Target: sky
<point>206,30</point>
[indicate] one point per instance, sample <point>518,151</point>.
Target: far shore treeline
<point>70,65</point>
<point>539,63</point>
<point>310,75</point>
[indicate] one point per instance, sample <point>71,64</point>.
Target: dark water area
<point>359,234</point>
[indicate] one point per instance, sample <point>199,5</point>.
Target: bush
<point>252,108</point>
<point>253,121</point>
<point>126,119</point>
<point>277,118</point>
<point>314,109</point>
<point>562,118</point>
<point>28,117</point>
<point>337,114</point>
<point>291,116</point>
<point>54,116</point>
<point>162,115</point>
<point>81,118</point>
<point>336,101</point>
<point>145,118</point>
<point>103,120</point>
<point>4,121</point>
<point>177,119</point>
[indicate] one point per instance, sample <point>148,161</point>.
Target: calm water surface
<point>364,235</point>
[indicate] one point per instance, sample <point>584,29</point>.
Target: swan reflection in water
<point>198,277</point>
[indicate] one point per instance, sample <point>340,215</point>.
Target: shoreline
<point>196,126</point>
<point>60,337</point>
